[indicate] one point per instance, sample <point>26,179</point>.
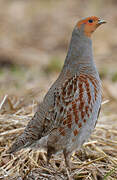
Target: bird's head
<point>88,25</point>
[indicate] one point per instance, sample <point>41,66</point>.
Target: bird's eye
<point>90,20</point>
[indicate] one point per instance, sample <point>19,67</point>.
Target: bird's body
<point>69,111</point>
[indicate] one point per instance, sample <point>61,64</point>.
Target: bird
<point>67,116</point>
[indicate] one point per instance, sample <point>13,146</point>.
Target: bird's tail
<point>21,142</point>
<point>31,134</point>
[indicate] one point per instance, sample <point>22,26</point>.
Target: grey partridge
<point>69,111</point>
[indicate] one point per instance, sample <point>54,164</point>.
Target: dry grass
<point>97,160</point>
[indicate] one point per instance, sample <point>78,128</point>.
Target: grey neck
<point>80,56</point>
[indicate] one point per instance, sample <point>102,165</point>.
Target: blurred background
<point>34,38</point>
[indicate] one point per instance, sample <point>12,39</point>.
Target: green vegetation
<point>55,65</point>
<point>114,77</point>
<point>103,73</point>
<point>106,177</point>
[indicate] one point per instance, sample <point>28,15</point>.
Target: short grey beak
<point>101,21</point>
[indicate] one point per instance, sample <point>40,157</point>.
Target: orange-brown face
<point>90,24</point>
